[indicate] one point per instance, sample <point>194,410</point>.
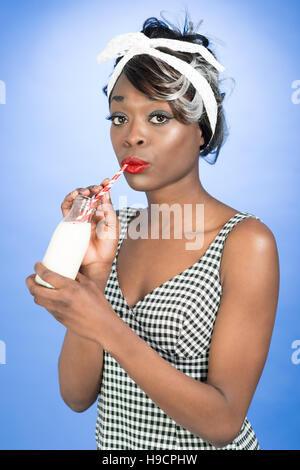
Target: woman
<point>174,339</point>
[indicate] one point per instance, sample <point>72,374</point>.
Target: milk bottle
<point>69,242</point>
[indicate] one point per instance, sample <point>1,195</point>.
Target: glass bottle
<point>69,242</point>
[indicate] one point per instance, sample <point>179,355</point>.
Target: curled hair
<point>160,81</point>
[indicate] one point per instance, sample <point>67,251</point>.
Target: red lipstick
<point>135,165</point>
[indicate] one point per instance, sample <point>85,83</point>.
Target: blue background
<point>54,138</point>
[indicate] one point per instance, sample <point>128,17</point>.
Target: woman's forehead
<point>135,99</point>
<point>143,103</point>
<point>124,92</point>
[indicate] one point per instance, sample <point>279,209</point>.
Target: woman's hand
<point>78,304</point>
<point>105,226</point>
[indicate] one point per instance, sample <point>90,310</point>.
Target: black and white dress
<point>176,319</point>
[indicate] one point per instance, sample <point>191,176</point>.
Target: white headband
<point>131,44</point>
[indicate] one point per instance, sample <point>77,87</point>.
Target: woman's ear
<point>201,138</point>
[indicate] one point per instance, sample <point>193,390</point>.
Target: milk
<point>66,249</point>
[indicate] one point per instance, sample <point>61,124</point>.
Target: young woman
<point>172,339</point>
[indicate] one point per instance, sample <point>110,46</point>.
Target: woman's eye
<point>112,119</point>
<point>160,116</point>
<point>161,119</point>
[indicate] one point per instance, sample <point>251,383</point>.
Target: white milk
<point>66,250</point>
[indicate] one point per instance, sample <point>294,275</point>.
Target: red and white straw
<point>84,215</point>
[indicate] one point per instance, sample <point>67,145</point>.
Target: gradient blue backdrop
<point>54,138</point>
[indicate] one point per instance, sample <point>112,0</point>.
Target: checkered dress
<point>176,319</point>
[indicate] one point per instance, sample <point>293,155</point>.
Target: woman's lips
<point>135,166</point>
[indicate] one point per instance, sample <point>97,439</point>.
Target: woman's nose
<point>136,135</point>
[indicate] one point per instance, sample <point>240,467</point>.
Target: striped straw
<point>84,215</point>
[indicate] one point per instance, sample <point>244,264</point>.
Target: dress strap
<point>215,250</point>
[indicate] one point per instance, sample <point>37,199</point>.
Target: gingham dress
<point>176,319</point>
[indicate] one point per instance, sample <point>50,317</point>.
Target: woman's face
<point>171,148</point>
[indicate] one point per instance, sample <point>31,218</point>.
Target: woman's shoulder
<point>249,227</point>
<point>249,222</point>
<point>249,238</point>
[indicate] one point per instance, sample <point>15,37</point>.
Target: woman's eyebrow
<point>120,98</point>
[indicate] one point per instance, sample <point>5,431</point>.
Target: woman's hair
<point>159,80</point>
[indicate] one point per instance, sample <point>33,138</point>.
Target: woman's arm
<point>81,359</point>
<point>215,410</point>
<point>80,371</point>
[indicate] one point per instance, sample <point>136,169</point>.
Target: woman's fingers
<point>40,298</point>
<point>54,279</point>
<point>81,278</point>
<point>90,191</point>
<point>47,298</point>
<point>69,199</point>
